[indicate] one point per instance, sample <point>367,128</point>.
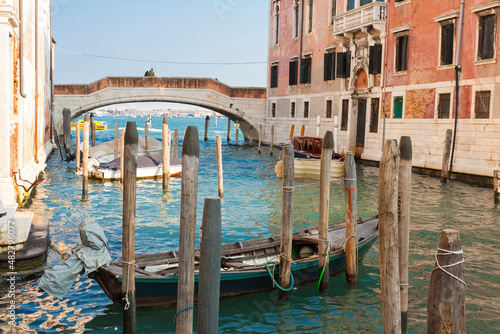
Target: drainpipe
<point>21,48</point>
<point>458,69</point>
<point>37,95</point>
<point>301,40</point>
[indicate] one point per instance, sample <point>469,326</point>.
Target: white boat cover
<point>92,254</point>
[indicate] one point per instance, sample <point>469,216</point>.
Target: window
<point>328,108</point>
<point>401,52</point>
<point>351,4</point>
<point>274,76</point>
<point>329,63</point>
<point>398,107</point>
<point>273,109</point>
<point>333,10</point>
<point>365,2</point>
<point>276,24</point>
<point>375,64</point>
<point>444,105</point>
<point>310,16</point>
<point>296,19</point>
<point>344,64</point>
<point>447,41</point>
<point>486,36</point>
<point>306,109</point>
<point>483,104</point>
<point>293,70</point>
<point>345,115</point>
<point>292,109</point>
<point>374,115</point>
<point>305,70</point>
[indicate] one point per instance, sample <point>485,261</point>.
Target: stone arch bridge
<point>244,105</point>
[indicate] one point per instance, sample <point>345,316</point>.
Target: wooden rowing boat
<point>246,266</point>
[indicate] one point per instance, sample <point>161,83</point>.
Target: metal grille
<point>483,104</point>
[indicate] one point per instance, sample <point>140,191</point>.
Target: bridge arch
<point>245,106</point>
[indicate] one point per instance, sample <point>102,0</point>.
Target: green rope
<point>175,316</point>
<point>322,272</point>
<point>276,283</point>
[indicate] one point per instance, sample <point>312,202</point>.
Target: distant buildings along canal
<point>371,63</point>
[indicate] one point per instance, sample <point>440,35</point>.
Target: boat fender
<point>306,251</point>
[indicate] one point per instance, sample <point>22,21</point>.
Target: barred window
<point>483,104</point>
<point>345,115</point>
<point>444,105</point>
<point>374,115</point>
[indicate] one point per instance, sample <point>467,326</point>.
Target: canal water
<point>251,209</point>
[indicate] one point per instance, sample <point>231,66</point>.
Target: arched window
<point>310,16</point>
<point>296,19</point>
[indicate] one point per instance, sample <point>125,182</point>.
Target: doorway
<point>360,127</point>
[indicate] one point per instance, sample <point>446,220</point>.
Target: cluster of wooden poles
<point>446,302</point>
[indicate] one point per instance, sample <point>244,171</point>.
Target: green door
<point>398,107</point>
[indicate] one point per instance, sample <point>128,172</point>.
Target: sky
<point>157,32</point>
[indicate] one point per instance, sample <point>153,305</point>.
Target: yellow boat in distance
<point>98,125</point>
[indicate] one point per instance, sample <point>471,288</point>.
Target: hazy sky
<point>194,31</point>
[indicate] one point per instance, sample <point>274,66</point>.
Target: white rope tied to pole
<point>127,301</point>
<point>448,252</point>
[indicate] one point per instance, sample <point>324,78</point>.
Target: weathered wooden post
<point>209,278</point>
<point>388,237</point>
<point>85,159</point>
<point>260,138</point>
<point>117,142</point>
<point>302,130</point>
<point>77,147</point>
<point>291,130</point>
<point>207,122</point>
<point>166,153</point>
<point>236,130</point>
<point>446,156</point>
<point>286,219</point>
<point>446,302</point>
<point>189,189</point>
<point>324,211</point>
<point>272,140</point>
<point>228,130</point>
<point>128,228</point>
<point>218,153</point>
<point>404,196</point>
<point>122,153</point>
<point>146,137</point>
<point>175,150</point>
<point>67,131</point>
<point>496,181</point>
<point>351,209</point>
<point>92,129</point>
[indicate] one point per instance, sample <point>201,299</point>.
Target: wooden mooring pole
<point>85,159</point>
<point>228,130</point>
<point>236,130</point>
<point>218,153</point>
<point>351,208</point>
<point>189,189</point>
<point>128,228</point>
<point>67,131</point>
<point>122,153</point>
<point>324,211</point>
<point>388,237</point>
<point>260,139</point>
<point>92,129</point>
<point>286,219</point>
<point>166,153</point>
<point>336,133</point>
<point>404,200</point>
<point>272,140</point>
<point>77,147</point>
<point>175,149</point>
<point>117,141</point>
<point>209,278</point>
<point>207,123</point>
<point>146,137</point>
<point>446,302</point>
<point>446,156</point>
<point>496,181</point>
<point>291,130</point>
<point>302,130</point>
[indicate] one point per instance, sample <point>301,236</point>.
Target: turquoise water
<point>250,209</point>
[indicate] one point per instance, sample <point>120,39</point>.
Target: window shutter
<point>274,76</point>
<point>333,65</point>
<point>292,76</point>
<point>489,36</point>
<point>404,60</point>
<point>327,70</point>
<point>447,44</point>
<point>348,64</point>
<point>341,65</point>
<point>371,63</point>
